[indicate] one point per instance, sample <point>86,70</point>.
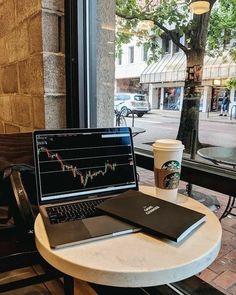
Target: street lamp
<point>199,7</point>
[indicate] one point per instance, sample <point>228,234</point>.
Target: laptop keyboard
<point>73,211</point>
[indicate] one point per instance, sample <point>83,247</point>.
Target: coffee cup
<point>167,165</point>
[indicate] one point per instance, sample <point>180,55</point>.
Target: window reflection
<point>163,78</point>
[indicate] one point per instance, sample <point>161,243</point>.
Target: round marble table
<point>137,260</point>
<point>219,155</point>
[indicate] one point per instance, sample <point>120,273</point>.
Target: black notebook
<point>154,215</point>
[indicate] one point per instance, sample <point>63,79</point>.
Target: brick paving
<point>222,272</point>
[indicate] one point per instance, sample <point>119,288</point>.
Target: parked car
<point>131,103</point>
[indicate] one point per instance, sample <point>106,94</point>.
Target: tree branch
<point>172,36</point>
<point>170,33</point>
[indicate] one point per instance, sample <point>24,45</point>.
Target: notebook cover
<point>153,215</point>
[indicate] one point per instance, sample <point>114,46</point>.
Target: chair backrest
<point>16,148</point>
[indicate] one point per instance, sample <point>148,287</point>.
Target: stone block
<point>50,32</point>
<point>35,33</point>
<point>3,55</point>
<point>11,51</point>
<point>22,110</point>
<point>105,106</point>
<point>9,79</point>
<point>55,111</point>
<point>7,17</point>
<point>54,5</point>
<point>10,128</point>
<point>2,129</point>
<point>22,41</point>
<point>54,73</point>
<point>5,107</point>
<point>31,75</point>
<point>39,113</point>
<point>1,71</point>
<point>26,8</point>
<point>26,129</point>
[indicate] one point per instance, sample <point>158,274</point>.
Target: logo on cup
<point>171,165</point>
<point>171,181</point>
<point>169,175</point>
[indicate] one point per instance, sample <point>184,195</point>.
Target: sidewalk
<point>211,116</point>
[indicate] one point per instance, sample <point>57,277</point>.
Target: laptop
<point>77,169</point>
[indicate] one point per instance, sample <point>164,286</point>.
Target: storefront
<point>172,98</point>
<point>166,80</point>
<point>217,96</point>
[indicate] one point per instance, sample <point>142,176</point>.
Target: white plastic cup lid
<point>168,144</point>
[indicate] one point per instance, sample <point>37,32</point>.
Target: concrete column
<point>232,107</point>
<point>231,94</point>
<point>206,98</point>
<point>181,98</point>
<point>150,91</point>
<point>162,98</point>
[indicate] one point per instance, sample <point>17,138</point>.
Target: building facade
<point>164,80</point>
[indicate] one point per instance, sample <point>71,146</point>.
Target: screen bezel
<point>80,130</point>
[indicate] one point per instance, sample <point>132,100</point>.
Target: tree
<point>206,32</point>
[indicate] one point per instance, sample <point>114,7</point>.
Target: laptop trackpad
<point>105,225</point>
<point>81,231</point>
<point>68,233</point>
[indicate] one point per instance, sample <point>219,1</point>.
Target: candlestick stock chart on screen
<point>82,162</point>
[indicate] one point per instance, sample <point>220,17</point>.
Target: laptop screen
<point>79,163</point>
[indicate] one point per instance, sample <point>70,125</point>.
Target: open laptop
<point>77,169</point>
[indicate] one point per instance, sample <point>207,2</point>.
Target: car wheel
<point>125,111</point>
<point>140,114</point>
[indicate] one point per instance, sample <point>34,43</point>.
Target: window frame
<point>80,59</point>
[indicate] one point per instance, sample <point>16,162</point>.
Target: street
<point>214,130</point>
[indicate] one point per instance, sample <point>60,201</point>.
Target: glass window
<point>131,54</point>
<point>175,48</point>
<point>145,52</point>
<point>122,97</point>
<point>139,98</point>
<point>179,111</point>
<point>166,44</point>
<point>119,58</point>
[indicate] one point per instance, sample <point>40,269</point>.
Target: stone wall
<point>32,87</point>
<point>32,64</point>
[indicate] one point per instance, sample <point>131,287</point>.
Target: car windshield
<point>139,97</point>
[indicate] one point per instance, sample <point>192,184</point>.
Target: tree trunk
<point>188,128</point>
<point>189,120</point>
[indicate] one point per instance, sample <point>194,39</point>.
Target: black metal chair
<point>17,251</point>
